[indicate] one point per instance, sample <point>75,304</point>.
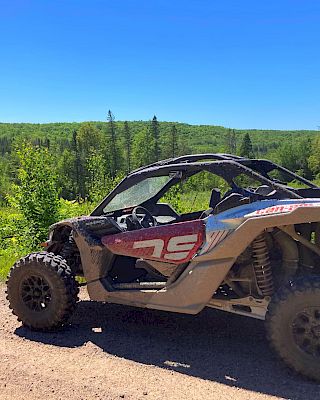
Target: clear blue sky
<point>236,63</point>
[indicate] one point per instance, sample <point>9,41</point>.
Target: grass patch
<point>7,259</point>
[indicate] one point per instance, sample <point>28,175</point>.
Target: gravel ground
<point>115,352</point>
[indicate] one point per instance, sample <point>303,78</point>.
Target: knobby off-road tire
<point>293,326</point>
<point>42,291</point>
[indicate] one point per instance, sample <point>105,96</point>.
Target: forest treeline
<point>89,158</point>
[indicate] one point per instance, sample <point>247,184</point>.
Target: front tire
<point>293,326</point>
<point>42,291</point>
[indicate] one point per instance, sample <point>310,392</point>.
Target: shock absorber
<point>262,265</point>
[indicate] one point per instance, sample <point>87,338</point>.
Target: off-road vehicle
<point>255,251</point>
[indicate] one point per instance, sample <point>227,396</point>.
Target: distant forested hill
<point>199,138</point>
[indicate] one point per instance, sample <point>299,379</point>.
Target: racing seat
<point>214,200</point>
<point>231,201</point>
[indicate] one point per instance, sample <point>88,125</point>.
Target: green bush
<point>12,239</point>
<point>37,194</point>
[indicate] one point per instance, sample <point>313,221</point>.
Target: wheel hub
<point>306,331</point>
<point>36,293</point>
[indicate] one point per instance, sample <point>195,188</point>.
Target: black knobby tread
<point>63,272</point>
<point>295,288</point>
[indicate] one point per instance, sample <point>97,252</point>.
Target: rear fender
<point>95,258</point>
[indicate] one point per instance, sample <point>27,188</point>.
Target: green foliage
<point>231,142</point>
<point>13,232</point>
<point>142,149</point>
<point>67,178</point>
<point>314,158</point>
<point>88,141</point>
<point>173,197</point>
<point>194,201</point>
<point>155,133</point>
<point>113,145</point>
<point>12,239</point>
<point>204,181</point>
<point>96,175</point>
<point>171,144</point>
<point>299,156</point>
<point>186,202</point>
<point>194,193</point>
<point>5,184</point>
<point>246,149</point>
<point>37,192</point>
<point>89,137</point>
<point>174,141</point>
<point>128,144</point>
<point>69,167</point>
<point>69,209</point>
<point>99,184</point>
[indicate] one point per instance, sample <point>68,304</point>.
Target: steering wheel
<point>146,221</point>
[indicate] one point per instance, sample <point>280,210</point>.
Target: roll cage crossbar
<point>191,158</point>
<point>261,166</point>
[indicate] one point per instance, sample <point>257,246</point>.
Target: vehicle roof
<point>191,158</point>
<point>260,166</point>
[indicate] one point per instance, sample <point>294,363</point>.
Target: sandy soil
<point>116,352</point>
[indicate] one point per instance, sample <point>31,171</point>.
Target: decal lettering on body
<point>284,208</point>
<point>157,244</point>
<point>178,247</point>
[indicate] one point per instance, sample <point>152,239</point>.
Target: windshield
<point>137,194</point>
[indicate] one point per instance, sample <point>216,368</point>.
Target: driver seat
<point>215,198</point>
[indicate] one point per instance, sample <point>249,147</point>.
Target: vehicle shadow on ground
<point>213,345</point>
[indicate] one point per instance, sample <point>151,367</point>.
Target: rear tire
<point>42,291</point>
<point>293,326</point>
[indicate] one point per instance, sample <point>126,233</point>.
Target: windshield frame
<point>133,179</point>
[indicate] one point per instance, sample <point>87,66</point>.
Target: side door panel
<point>175,243</point>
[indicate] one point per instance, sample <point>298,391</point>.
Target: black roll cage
<point>226,166</point>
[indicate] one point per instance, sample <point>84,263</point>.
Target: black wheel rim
<point>306,331</point>
<point>36,293</point>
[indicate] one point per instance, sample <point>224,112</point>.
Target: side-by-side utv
<point>254,251</point>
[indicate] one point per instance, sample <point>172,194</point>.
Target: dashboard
<point>122,221</point>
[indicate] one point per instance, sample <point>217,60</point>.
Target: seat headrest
<point>215,197</point>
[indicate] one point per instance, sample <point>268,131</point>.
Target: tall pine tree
<point>113,139</point>
<point>128,142</point>
<point>174,141</point>
<point>231,142</point>
<point>155,131</point>
<point>246,149</point>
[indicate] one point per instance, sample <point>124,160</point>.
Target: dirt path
<point>115,352</point>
